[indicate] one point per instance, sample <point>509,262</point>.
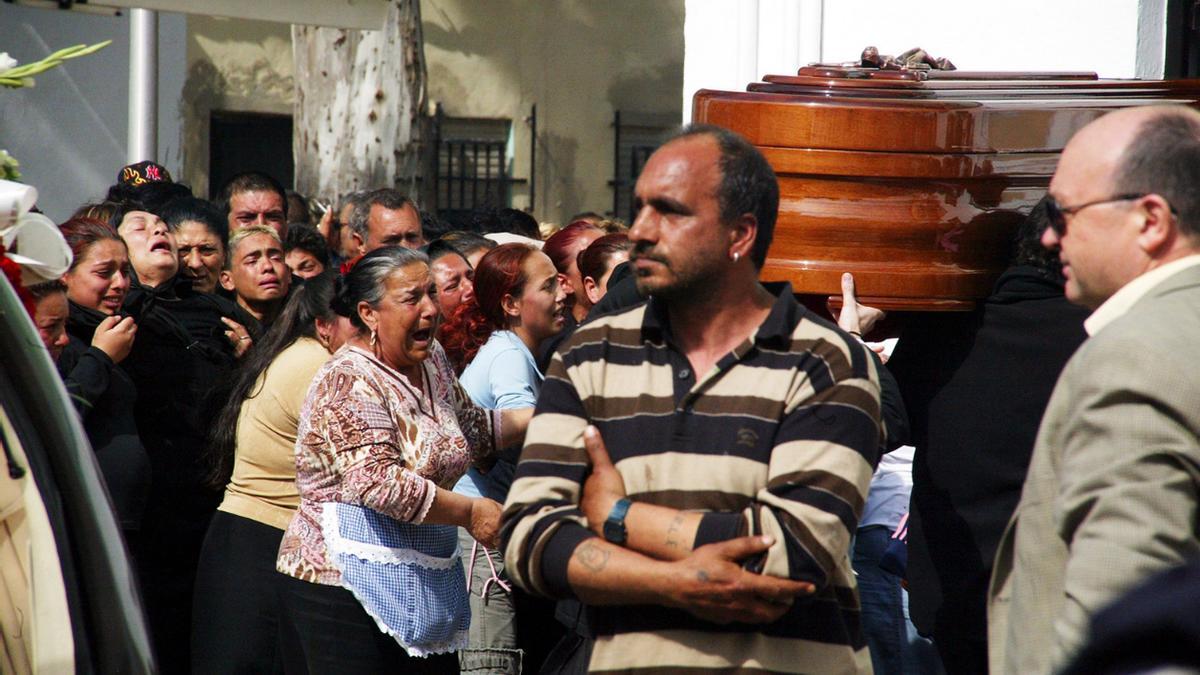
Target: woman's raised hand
<point>114,336</point>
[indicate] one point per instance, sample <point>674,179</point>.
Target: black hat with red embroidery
<point>139,174</point>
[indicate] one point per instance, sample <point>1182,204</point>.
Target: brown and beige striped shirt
<point>780,438</point>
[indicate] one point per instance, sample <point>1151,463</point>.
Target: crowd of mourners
<point>355,439</point>
<point>188,333</point>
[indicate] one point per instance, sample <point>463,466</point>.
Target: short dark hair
<point>193,209</point>
<point>297,208</point>
<point>440,248</point>
<point>149,197</point>
<point>467,243</point>
<point>432,226</point>
<point>388,198</point>
<point>44,289</point>
<point>1027,245</point>
<point>508,220</point>
<point>307,239</point>
<point>748,183</point>
<point>250,181</point>
<point>1164,158</point>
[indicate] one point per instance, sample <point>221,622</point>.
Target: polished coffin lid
<point>913,180</point>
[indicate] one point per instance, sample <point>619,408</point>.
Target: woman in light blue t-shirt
<point>518,303</point>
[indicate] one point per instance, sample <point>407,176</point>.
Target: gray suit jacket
<point>1111,495</point>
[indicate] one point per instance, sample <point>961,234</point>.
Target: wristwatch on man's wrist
<point>614,526</point>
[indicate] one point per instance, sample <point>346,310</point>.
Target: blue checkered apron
<point>408,577</point>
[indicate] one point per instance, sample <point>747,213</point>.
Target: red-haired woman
<point>564,248</point>
<point>518,303</point>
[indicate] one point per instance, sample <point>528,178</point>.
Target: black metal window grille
<point>473,166</point>
<point>635,138</point>
<point>472,173</point>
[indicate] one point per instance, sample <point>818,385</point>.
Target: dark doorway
<point>1182,50</point>
<point>242,141</point>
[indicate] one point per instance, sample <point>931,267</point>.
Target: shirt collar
<point>774,331</point>
<point>1128,295</point>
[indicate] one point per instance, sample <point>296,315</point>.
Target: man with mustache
<point>705,455</point>
<point>254,198</point>
<point>385,217</point>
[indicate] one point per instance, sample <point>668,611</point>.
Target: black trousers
<point>168,548</point>
<point>336,635</point>
<point>236,609</point>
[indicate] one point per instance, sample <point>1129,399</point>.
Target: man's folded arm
<point>820,468</point>
<point>817,481</point>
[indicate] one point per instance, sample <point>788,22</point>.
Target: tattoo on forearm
<point>592,557</point>
<point>673,531</point>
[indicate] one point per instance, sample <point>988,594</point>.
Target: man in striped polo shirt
<point>697,464</point>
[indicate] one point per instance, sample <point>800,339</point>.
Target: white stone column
<point>1151,39</point>
<point>142,142</point>
<point>728,45</point>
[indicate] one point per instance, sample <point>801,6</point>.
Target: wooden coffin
<point>914,181</point>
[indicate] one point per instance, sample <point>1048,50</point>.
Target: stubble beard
<point>689,285</point>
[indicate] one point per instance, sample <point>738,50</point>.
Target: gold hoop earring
<point>374,337</point>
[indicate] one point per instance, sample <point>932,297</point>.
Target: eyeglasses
<point>1057,214</point>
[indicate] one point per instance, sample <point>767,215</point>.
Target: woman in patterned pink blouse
<point>385,433</point>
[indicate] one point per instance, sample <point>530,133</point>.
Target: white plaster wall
<point>578,60</point>
<point>234,65</point>
<point>69,131</point>
<point>1094,35</point>
<point>1151,39</point>
<point>728,44</point>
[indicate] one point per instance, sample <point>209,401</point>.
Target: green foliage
<point>22,76</point>
<point>8,167</point>
<point>15,77</point>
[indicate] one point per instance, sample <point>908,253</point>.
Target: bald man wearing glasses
<point>1112,491</point>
